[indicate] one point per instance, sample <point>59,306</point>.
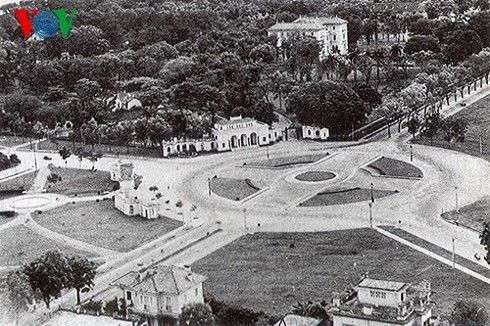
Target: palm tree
<point>353,56</point>
<point>396,54</point>
<point>329,65</point>
<point>378,55</point>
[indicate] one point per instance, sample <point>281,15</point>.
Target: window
<point>197,292</point>
<point>334,28</point>
<point>128,295</point>
<point>264,139</point>
<point>377,294</point>
<point>168,305</point>
<point>309,132</point>
<point>224,145</point>
<point>335,37</point>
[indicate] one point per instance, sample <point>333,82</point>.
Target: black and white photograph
<point>244,163</point>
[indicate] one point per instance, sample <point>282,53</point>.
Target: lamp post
<point>35,159</point>
<point>454,255</point>
<point>372,192</point>
<point>411,153</point>
<point>370,215</point>
<point>209,186</point>
<point>268,156</point>
<point>245,219</point>
<point>456,198</point>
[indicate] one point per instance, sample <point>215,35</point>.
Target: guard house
<point>384,303</point>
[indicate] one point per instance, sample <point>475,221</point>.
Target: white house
<point>331,33</point>
<point>125,199</point>
<point>227,135</point>
<point>161,290</point>
<point>311,132</point>
<point>384,303</point>
<point>125,101</point>
<point>238,133</point>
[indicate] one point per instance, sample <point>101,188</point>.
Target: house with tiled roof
<point>330,32</point>
<point>161,290</point>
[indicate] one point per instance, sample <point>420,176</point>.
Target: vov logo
<point>45,23</point>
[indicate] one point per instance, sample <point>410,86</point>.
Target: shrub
<point>233,315</point>
<point>112,306</point>
<point>93,306</point>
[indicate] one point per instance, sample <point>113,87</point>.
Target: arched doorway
<point>234,142</point>
<point>253,138</point>
<point>244,140</point>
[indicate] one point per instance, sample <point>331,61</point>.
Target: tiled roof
<point>161,279</point>
<point>296,27</point>
<point>381,285</point>
<point>321,20</point>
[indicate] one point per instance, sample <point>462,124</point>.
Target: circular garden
<point>315,176</point>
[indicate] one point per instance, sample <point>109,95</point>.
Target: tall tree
<point>197,314</point>
<point>469,314</point>
<point>83,273</point>
<point>49,274</point>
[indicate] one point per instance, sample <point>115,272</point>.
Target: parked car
<point>47,158</point>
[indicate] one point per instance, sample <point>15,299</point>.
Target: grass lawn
<point>20,245</point>
<point>4,219</point>
<point>473,215</point>
<point>78,181</point>
<point>234,189</point>
<point>313,176</point>
<point>285,162</point>
<point>478,120</point>
<point>395,168</point>
<point>263,272</point>
<point>13,187</point>
<point>10,141</point>
<point>100,224</point>
<point>438,250</point>
<point>104,149</point>
<point>346,196</point>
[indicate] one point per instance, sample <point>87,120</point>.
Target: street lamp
<point>209,186</point>
<point>245,219</point>
<point>267,151</point>
<point>372,193</point>
<point>411,153</point>
<point>454,255</point>
<point>371,215</point>
<point>456,198</point>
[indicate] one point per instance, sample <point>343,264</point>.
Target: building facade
<point>125,198</point>
<point>317,133</point>
<point>227,135</point>
<point>330,32</point>
<point>384,303</point>
<point>161,290</point>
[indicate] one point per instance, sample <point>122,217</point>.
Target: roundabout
<point>34,202</point>
<point>315,176</point>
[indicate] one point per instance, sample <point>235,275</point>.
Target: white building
<point>161,290</point>
<point>384,303</point>
<point>125,101</point>
<point>311,132</point>
<point>227,135</point>
<point>125,198</point>
<point>331,33</point>
<point>238,133</point>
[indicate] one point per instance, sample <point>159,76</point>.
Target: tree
<point>65,154</point>
<point>82,274</point>
<point>20,293</point>
<point>310,309</point>
<point>368,94</point>
<point>437,8</point>
<point>90,133</point>
<point>468,313</point>
<point>454,129</point>
<point>302,54</point>
<point>413,124</point>
<point>327,104</point>
<point>389,109</point>
<point>197,314</point>
<point>49,274</point>
<point>461,44</point>
<point>485,240</point>
<point>431,125</point>
<point>419,43</point>
<point>263,53</point>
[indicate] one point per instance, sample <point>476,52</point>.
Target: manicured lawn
<point>478,126</point>
<point>313,176</point>
<point>20,245</point>
<point>104,149</point>
<point>285,162</point>
<point>263,272</point>
<point>99,223</point>
<point>473,215</point>
<point>438,250</point>
<point>4,219</point>
<point>395,168</point>
<point>346,196</point>
<point>234,189</point>
<point>81,182</point>
<point>14,187</point>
